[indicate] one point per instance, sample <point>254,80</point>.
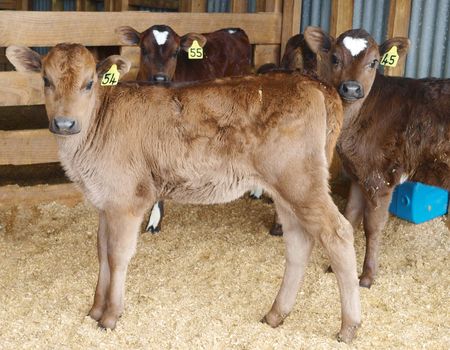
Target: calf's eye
<point>373,64</point>
<point>335,60</point>
<point>46,82</point>
<point>89,85</point>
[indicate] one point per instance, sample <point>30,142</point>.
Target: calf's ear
<point>317,39</point>
<point>401,43</point>
<point>187,40</point>
<point>128,35</point>
<point>123,65</point>
<point>24,59</point>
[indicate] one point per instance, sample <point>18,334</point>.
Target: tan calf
<point>210,143</point>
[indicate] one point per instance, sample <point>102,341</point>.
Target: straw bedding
<point>207,280</point>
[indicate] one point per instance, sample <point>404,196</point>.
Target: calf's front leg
<point>121,236</point>
<point>375,218</point>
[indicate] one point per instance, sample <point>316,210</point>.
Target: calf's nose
<point>160,78</point>
<point>64,126</point>
<point>351,90</point>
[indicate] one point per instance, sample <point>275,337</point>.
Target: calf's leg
<point>318,218</point>
<point>119,244</point>
<point>97,309</point>
<point>298,250</point>
<point>375,218</point>
<point>354,209</point>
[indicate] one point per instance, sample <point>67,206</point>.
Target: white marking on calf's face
<point>232,31</point>
<point>355,45</point>
<point>161,37</point>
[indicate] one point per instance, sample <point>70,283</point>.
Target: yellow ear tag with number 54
<point>195,52</point>
<point>390,58</point>
<point>111,77</point>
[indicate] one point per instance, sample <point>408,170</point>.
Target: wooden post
<point>399,17</point>
<point>22,5</point>
<point>260,6</point>
<point>291,21</point>
<point>192,5</point>
<point>116,5</point>
<point>57,5</point>
<point>239,6</point>
<point>274,5</point>
<point>341,17</point>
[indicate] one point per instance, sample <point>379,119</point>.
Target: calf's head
<point>160,47</point>
<point>71,80</point>
<point>350,61</point>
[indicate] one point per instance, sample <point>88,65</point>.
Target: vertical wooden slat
<point>341,16</point>
<point>57,5</point>
<point>22,5</point>
<point>274,5</point>
<point>116,5</point>
<point>260,6</point>
<point>291,21</point>
<point>239,6</point>
<point>399,18</point>
<point>192,6</point>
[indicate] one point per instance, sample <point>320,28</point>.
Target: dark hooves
<point>276,230</point>
<point>154,230</point>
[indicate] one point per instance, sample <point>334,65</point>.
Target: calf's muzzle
<point>64,126</point>
<point>351,90</point>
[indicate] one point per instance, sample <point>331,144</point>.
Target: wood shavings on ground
<point>207,279</point>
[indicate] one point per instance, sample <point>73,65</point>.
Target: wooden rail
<point>45,29</point>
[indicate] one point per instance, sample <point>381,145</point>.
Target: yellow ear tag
<point>111,77</point>
<point>195,52</point>
<point>390,58</point>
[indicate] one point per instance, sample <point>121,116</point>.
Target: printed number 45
<point>391,59</point>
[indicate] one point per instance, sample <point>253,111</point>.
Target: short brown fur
<point>209,143</point>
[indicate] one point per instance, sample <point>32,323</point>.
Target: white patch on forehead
<point>232,31</point>
<point>161,37</point>
<point>355,45</point>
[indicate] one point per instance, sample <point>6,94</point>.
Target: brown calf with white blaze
<point>210,142</point>
<point>394,128</point>
<point>164,54</point>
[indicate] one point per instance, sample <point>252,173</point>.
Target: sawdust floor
<point>206,281</point>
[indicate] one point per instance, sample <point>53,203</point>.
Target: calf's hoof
<point>329,269</point>
<point>273,319</point>
<point>365,281</point>
<point>152,229</point>
<point>347,333</point>
<point>276,230</point>
<point>96,313</point>
<point>108,320</point>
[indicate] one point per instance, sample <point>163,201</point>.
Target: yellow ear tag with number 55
<point>390,58</point>
<point>195,52</point>
<point>111,77</point>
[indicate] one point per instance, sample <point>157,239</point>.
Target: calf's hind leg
<point>298,247</point>
<point>318,218</point>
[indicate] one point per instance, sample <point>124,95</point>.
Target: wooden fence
<point>268,31</point>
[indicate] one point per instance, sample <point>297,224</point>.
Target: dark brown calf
<point>394,129</point>
<point>164,57</point>
<point>297,57</point>
<point>210,143</point>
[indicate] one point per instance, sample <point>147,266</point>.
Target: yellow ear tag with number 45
<point>111,77</point>
<point>195,52</point>
<point>390,58</point>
